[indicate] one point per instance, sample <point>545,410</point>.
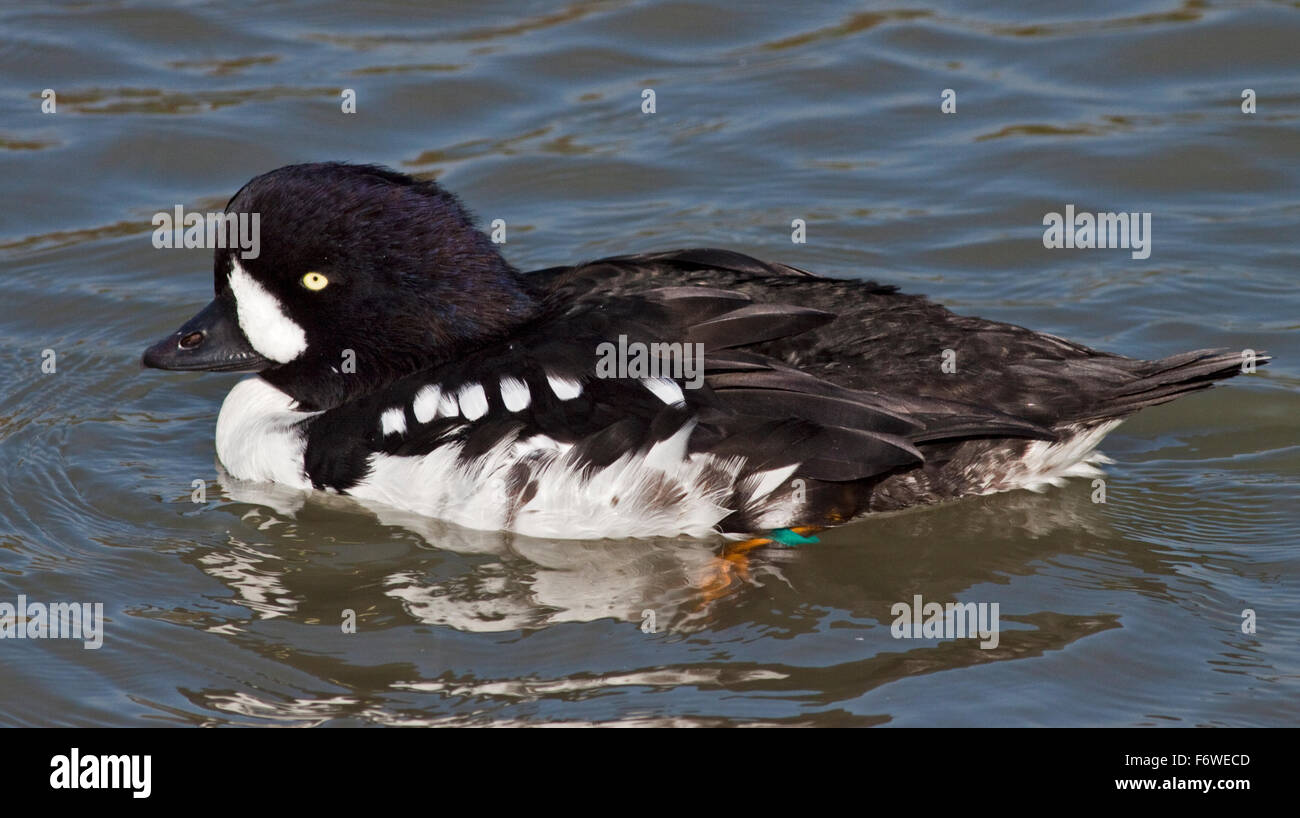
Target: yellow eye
<point>314,281</point>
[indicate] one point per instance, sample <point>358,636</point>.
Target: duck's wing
<point>612,378</point>
<point>913,353</point>
<point>621,275</point>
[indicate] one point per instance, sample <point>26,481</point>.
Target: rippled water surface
<point>228,611</point>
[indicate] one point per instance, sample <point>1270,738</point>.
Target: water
<point>229,611</point>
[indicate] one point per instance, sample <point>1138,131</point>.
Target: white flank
<point>425,405</point>
<point>261,317</point>
<point>1049,464</point>
<point>772,512</point>
<point>665,389</point>
<point>258,437</point>
<point>662,492</point>
<point>393,421</point>
<point>767,481</point>
<point>564,388</point>
<point>540,443</point>
<point>515,394</point>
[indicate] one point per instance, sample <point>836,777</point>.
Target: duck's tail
<point>1160,381</point>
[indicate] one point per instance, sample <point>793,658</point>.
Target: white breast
<point>258,436</point>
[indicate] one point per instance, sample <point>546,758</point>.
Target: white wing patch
<point>473,401</point>
<point>393,421</point>
<point>448,407</point>
<point>665,389</point>
<point>261,317</point>
<point>515,394</point>
<point>564,388</point>
<point>425,405</point>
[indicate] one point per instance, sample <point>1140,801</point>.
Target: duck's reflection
<point>297,558</point>
<point>470,580</point>
<point>319,550</point>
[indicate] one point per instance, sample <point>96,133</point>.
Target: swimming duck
<point>400,359</point>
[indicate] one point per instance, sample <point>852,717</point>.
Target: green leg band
<point>787,537</point>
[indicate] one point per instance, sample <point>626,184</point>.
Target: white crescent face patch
<point>272,333</point>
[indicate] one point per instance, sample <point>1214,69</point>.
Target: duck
<point>397,357</point>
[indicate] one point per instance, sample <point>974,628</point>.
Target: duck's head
<point>361,275</point>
